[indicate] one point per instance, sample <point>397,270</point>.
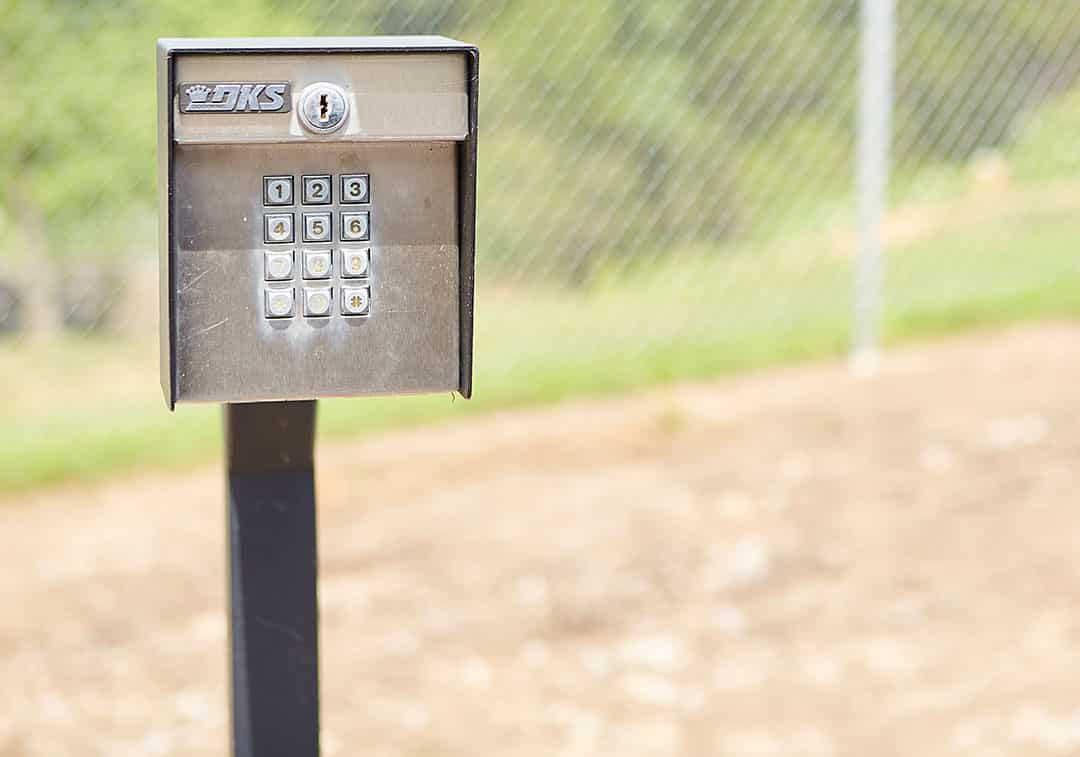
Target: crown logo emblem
<point>197,93</point>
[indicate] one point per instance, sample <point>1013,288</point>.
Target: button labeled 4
<point>279,227</point>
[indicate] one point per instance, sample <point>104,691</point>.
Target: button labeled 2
<point>317,190</point>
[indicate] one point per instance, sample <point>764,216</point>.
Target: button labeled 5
<point>316,227</point>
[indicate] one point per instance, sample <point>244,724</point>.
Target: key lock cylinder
<point>324,108</point>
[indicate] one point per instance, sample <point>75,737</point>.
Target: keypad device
<point>329,251</point>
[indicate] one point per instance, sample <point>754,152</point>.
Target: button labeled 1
<point>355,188</point>
<point>355,300</point>
<point>355,263</point>
<point>355,227</point>
<point>277,190</point>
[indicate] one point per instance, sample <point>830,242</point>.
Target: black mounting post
<point>273,625</point>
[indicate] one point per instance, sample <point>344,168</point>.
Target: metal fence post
<point>876,68</point>
<point>273,619</point>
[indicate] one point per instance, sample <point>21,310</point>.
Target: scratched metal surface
<point>226,350</point>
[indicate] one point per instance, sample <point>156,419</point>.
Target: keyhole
<point>324,108</point>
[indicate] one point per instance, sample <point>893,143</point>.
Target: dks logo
<point>235,97</point>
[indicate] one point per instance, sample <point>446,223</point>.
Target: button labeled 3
<point>355,188</point>
<point>355,300</point>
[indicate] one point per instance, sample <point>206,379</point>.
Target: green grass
<point>86,410</point>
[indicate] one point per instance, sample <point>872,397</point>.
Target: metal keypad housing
<point>301,265</point>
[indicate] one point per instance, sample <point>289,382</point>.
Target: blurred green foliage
<point>605,123</point>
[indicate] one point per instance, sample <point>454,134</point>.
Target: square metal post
<point>273,628</point>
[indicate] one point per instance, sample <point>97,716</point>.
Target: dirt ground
<point>800,563</point>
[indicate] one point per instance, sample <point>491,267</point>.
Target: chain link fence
<point>667,187</point>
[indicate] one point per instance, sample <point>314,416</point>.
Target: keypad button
<point>278,265</point>
<point>356,189</point>
<point>355,300</point>
<point>280,303</point>
<point>318,190</point>
<point>355,263</point>
<point>279,228</point>
<point>317,302</point>
<point>317,227</point>
<point>277,190</point>
<point>317,264</point>
<point>355,227</point>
